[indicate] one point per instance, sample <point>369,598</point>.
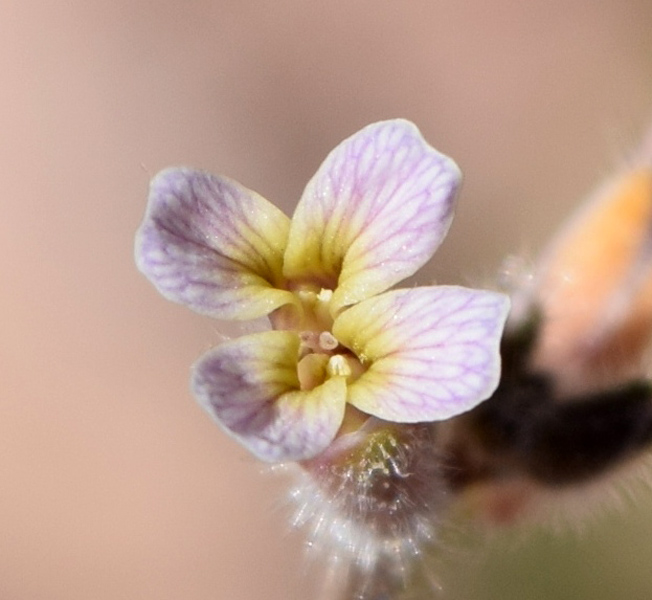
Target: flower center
<point>316,322</point>
<point>321,356</point>
<point>312,341</point>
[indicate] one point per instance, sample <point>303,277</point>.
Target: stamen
<point>325,295</point>
<point>311,371</point>
<point>315,314</point>
<point>327,341</point>
<point>308,297</point>
<point>321,308</point>
<point>338,366</point>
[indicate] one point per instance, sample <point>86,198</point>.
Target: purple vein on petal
<point>250,387</point>
<point>213,245</point>
<point>430,353</point>
<point>375,211</point>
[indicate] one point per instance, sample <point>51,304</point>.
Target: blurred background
<point>114,484</point>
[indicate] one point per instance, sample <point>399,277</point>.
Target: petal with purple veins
<point>213,245</point>
<point>251,388</point>
<point>429,353</point>
<point>374,213</point>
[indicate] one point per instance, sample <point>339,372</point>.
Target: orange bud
<point>594,289</point>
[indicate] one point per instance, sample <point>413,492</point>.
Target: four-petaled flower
<point>374,213</point>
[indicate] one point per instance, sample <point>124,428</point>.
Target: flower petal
<point>213,245</point>
<point>374,213</point>
<point>250,386</point>
<point>431,353</point>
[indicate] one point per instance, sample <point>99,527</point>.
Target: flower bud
<point>594,289</point>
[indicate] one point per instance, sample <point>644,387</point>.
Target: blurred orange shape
<point>594,289</point>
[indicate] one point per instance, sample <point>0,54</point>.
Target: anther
<point>327,341</point>
<point>338,366</point>
<point>325,295</point>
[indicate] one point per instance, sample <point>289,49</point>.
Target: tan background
<point>113,483</point>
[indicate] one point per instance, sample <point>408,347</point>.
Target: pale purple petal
<point>374,213</point>
<point>430,353</point>
<point>213,245</point>
<point>250,386</point>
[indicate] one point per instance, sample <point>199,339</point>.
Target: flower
<point>373,214</point>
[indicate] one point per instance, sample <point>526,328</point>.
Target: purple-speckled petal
<point>374,213</point>
<point>430,353</point>
<point>250,386</point>
<point>213,245</point>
